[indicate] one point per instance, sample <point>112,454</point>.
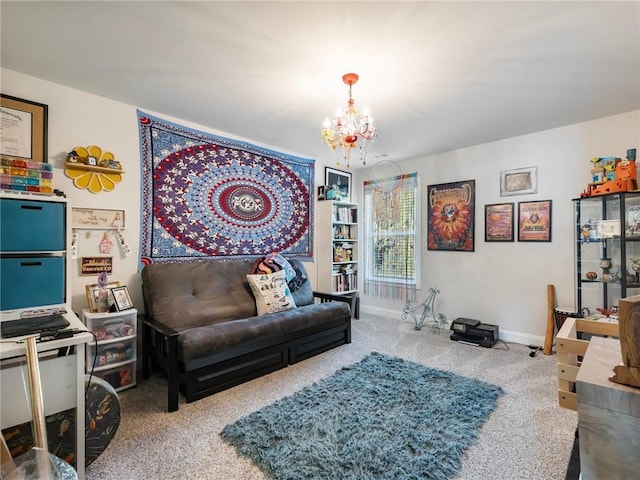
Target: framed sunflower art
<point>451,216</point>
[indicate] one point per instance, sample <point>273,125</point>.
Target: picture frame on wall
<point>519,181</point>
<point>92,295</point>
<point>451,216</point>
<point>122,299</point>
<point>24,129</point>
<point>498,222</point>
<point>534,221</point>
<point>339,181</point>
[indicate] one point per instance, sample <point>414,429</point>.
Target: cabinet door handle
<point>30,264</point>
<point>31,207</point>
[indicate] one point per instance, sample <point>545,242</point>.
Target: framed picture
<point>534,221</point>
<point>103,219</point>
<point>92,295</point>
<point>520,181</point>
<point>498,222</point>
<point>451,216</point>
<point>121,298</point>
<point>338,181</point>
<point>24,129</point>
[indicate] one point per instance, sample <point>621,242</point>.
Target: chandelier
<point>347,131</point>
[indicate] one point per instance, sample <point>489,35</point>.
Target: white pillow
<point>271,292</point>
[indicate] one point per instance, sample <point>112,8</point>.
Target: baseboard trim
<point>505,335</point>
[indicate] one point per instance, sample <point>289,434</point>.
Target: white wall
<point>499,283</point>
<point>506,283</point>
<point>77,118</point>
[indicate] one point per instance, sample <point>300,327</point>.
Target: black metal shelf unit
<point>607,250</point>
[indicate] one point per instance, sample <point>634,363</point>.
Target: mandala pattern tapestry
<point>206,197</point>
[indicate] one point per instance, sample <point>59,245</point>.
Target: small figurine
<point>102,295</point>
<point>635,266</point>
<point>586,233</point>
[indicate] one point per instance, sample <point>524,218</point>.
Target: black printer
<point>467,330</point>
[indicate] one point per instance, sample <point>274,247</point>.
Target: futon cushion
<point>197,344</point>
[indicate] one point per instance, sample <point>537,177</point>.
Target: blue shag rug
<point>380,418</point>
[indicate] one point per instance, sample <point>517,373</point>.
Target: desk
<point>608,415</point>
<point>62,379</point>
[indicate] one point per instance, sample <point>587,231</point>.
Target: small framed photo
<point>498,222</point>
<point>122,299</point>
<point>322,192</point>
<point>92,295</point>
<point>338,181</point>
<point>92,161</point>
<point>520,181</point>
<point>534,221</point>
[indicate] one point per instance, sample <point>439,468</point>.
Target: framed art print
<point>24,129</point>
<point>121,298</point>
<point>534,221</point>
<point>451,216</point>
<point>338,181</point>
<point>92,295</point>
<point>498,222</point>
<point>520,181</point>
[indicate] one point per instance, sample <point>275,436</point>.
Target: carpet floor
<point>527,436</point>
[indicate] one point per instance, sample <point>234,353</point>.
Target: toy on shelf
<point>613,175</point>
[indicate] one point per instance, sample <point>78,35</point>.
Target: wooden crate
<point>570,349</point>
<point>608,416</point>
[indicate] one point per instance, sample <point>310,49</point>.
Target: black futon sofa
<point>202,329</point>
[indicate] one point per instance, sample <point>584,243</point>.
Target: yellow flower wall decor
<point>92,169</point>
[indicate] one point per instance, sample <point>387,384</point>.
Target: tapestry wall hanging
<point>451,216</point>
<point>206,197</point>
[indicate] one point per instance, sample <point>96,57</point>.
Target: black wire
<point>93,365</point>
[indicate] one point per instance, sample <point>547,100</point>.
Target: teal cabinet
<point>33,238</point>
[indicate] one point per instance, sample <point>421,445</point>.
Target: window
<point>391,227</point>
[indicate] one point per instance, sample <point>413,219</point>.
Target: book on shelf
<point>344,232</point>
<point>345,281</point>
<point>345,214</point>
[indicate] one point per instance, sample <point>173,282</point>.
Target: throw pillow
<point>265,265</point>
<point>271,292</point>
<point>274,262</point>
<point>284,265</point>
<point>298,280</point>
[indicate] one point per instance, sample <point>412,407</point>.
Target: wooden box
<point>608,415</point>
<point>570,349</point>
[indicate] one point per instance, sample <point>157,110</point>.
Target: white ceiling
<point>436,76</point>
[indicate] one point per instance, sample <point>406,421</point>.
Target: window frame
<point>410,282</point>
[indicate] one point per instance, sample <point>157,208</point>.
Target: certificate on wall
<point>15,133</point>
<point>23,129</point>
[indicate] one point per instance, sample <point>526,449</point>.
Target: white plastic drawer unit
<point>108,326</point>
<point>31,226</point>
<point>115,349</point>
